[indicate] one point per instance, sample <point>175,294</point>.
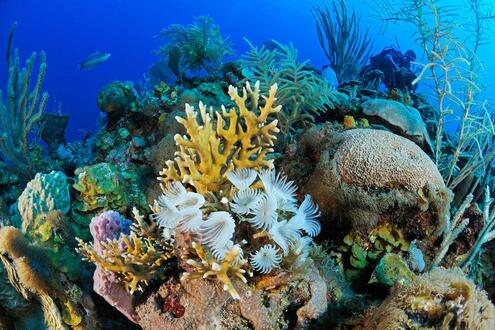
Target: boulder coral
<point>364,173</point>
<point>45,193</point>
<point>442,299</point>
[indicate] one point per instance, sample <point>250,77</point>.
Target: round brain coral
<point>365,175</point>
<point>380,159</point>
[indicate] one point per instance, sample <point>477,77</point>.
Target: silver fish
<point>93,60</point>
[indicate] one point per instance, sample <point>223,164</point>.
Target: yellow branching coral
<point>232,265</point>
<point>242,138</point>
<point>136,258</point>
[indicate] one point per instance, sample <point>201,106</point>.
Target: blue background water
<point>70,30</point>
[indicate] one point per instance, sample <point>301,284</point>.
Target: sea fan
<point>265,213</point>
<point>265,259</point>
<point>305,217</point>
<point>245,201</point>
<point>285,234</point>
<point>278,186</point>
<point>217,231</point>
<point>242,178</point>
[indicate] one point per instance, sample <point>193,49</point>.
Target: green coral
<point>100,186</point>
<point>393,269</point>
<point>359,254</point>
<point>196,47</point>
<point>304,93</point>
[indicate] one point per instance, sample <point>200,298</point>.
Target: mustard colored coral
<point>232,265</point>
<point>136,258</point>
<point>238,138</point>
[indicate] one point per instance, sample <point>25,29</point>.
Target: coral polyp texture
<point>218,142</point>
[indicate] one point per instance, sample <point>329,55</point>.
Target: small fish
<point>93,60</point>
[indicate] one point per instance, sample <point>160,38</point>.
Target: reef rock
<point>400,119</point>
<point>45,193</point>
<point>442,299</point>
<point>361,174</point>
<point>53,132</point>
<point>202,304</point>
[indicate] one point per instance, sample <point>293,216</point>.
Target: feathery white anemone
<point>242,178</point>
<point>305,217</point>
<point>164,212</point>
<point>219,253</point>
<point>189,220</point>
<point>284,191</point>
<point>265,259</point>
<point>265,212</point>
<point>301,250</point>
<point>285,234</point>
<point>173,189</point>
<point>245,201</point>
<point>217,231</point>
<point>176,207</point>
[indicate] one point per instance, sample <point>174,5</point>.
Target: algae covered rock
<point>401,119</point>
<point>117,96</point>
<point>442,299</point>
<point>200,304</point>
<point>364,174</point>
<point>45,193</point>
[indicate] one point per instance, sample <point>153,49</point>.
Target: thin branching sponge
<point>242,138</point>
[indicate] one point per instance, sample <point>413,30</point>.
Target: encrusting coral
<point>441,299</point>
<point>242,138</point>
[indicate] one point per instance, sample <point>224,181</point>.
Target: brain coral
<point>442,299</point>
<point>362,174</point>
<point>380,159</point>
<point>45,193</point>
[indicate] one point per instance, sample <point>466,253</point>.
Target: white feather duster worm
<point>217,231</point>
<point>305,217</point>
<point>284,191</point>
<point>245,201</point>
<point>285,234</point>
<point>242,178</point>
<point>265,213</point>
<point>178,209</point>
<point>265,259</point>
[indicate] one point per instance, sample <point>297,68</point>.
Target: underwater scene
<point>299,164</point>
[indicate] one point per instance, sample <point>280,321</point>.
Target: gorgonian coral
<point>238,138</point>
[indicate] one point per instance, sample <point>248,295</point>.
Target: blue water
<point>69,30</point>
